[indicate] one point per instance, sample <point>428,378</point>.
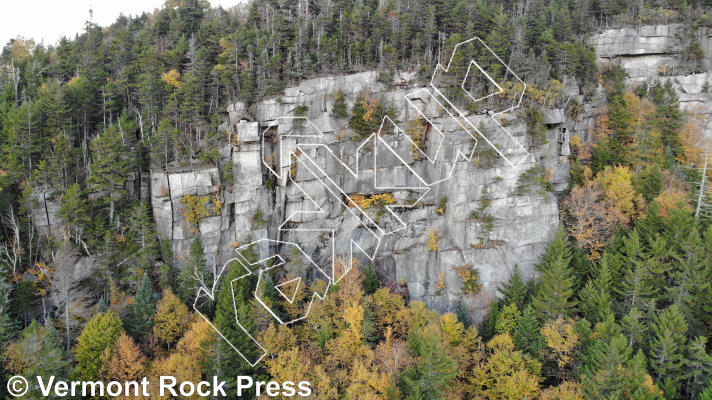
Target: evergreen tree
<point>527,336</point>
<point>74,212</point>
<point>667,346</point>
<point>434,369</point>
<point>603,373</point>
<point>139,319</point>
<point>698,367</point>
<point>110,168</point>
<point>595,297</point>
<point>194,274</point>
<point>690,280</point>
<point>554,297</point>
<point>38,352</point>
<point>98,336</point>
<point>635,328</point>
<point>668,116</point>
<point>233,303</point>
<point>515,291</point>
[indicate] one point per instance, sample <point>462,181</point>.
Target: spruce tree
<point>515,291</point>
<point>554,296</point>
<point>527,336</point>
<point>595,296</point>
<point>434,370</point>
<point>139,319</point>
<point>194,272</point>
<point>690,283</point>
<point>233,303</point>
<point>603,373</point>
<point>638,385</point>
<point>39,351</point>
<point>667,345</point>
<point>634,328</point>
<point>698,367</point>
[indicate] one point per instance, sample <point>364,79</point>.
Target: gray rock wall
<point>523,222</point>
<point>655,52</point>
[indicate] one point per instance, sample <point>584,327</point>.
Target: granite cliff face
<point>524,219</point>
<point>658,52</point>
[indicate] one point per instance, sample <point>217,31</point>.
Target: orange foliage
<point>592,220</point>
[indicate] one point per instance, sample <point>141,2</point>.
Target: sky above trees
<point>48,20</point>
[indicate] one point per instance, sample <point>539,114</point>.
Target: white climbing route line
<point>300,148</point>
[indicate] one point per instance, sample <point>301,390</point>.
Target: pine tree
<point>527,336</point>
<point>144,235</point>
<point>193,274</point>
<point>74,212</point>
<point>595,297</point>
<point>233,303</point>
<point>554,297</point>
<point>462,315</point>
<point>95,344</point>
<point>691,282</point>
<point>698,366</point>
<point>706,394</point>
<point>515,291</point>
<point>667,344</point>
<point>639,385</point>
<point>636,288</point>
<point>668,116</point>
<point>340,109</point>
<point>110,168</point>
<point>634,328</point>
<point>603,373</point>
<point>139,319</point>
<point>433,371</point>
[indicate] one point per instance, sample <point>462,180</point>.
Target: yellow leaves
<point>21,48</point>
<point>591,221</point>
<point>433,239</point>
<point>692,138</point>
<point>172,318</point>
<point>451,328</point>
<point>366,201</point>
<point>440,285</point>
<point>568,390</point>
<point>618,190</point>
<point>561,339</point>
<point>172,78</point>
<point>370,105</point>
<point>195,340</point>
<point>470,279</point>
<point>506,374</point>
<point>670,198</point>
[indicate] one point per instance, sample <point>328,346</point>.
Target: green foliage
<point>234,295</point>
<point>515,290</point>
<point>434,370</point>
<point>340,109</point>
<point>526,335</point>
<point>366,114</point>
<point>537,129</point>
<point>370,281</point>
<point>554,297</point>
<point>95,344</point>
<point>139,319</point>
<point>37,352</point>
<point>537,179</point>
